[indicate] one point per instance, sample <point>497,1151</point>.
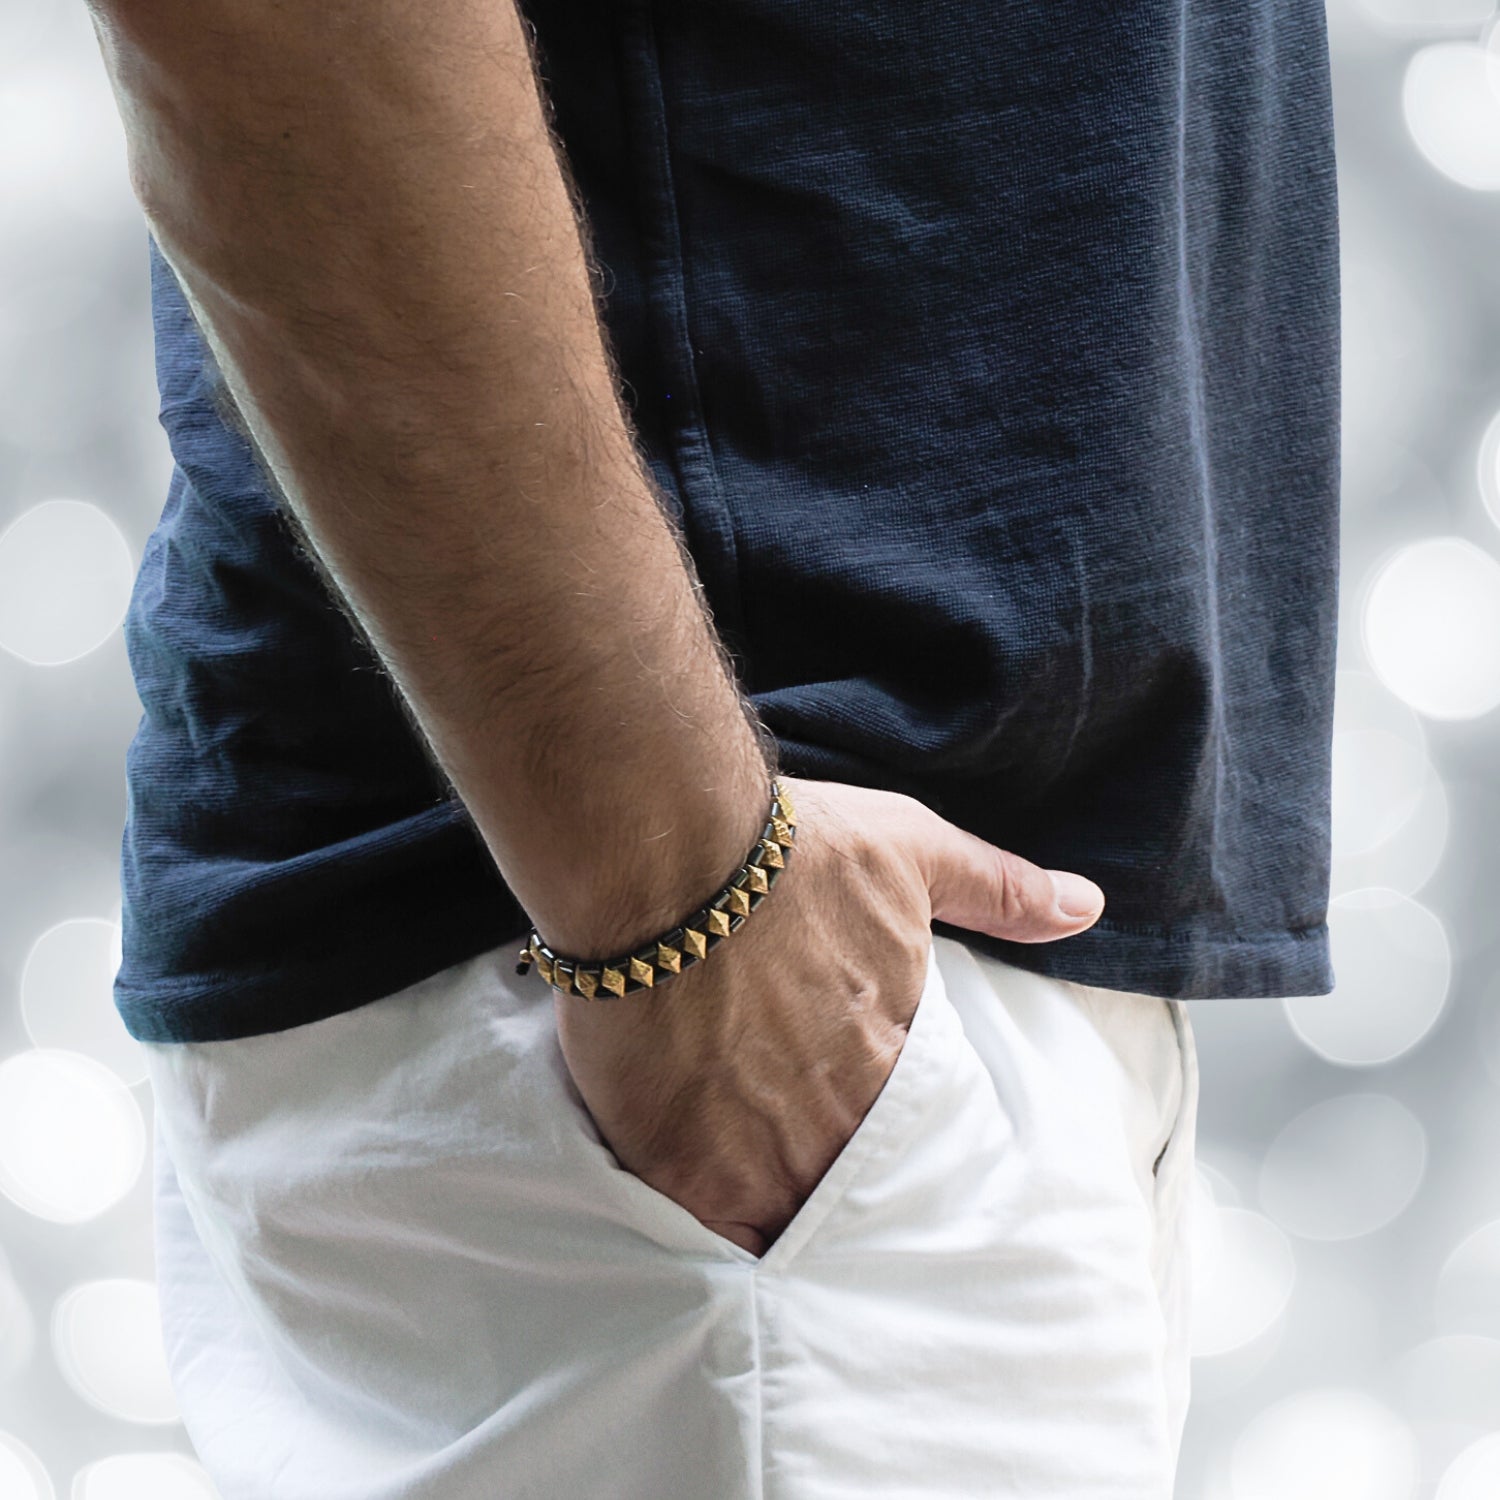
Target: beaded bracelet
<point>685,945</point>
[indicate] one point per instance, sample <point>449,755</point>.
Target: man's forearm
<point>365,208</point>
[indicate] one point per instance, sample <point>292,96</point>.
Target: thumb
<point>975,885</point>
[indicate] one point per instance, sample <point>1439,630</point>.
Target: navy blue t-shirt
<point>987,355</point>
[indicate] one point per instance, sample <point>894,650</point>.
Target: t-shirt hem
<point>1171,963</point>
<point>1174,963</point>
<point>225,1008</point>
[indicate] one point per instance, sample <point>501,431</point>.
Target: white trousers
<point>397,1262</point>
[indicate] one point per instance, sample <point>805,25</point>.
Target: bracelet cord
<point>688,943</point>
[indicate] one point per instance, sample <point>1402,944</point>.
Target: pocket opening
<point>665,1220</point>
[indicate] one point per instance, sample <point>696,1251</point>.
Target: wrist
<point>670,848</point>
<point>683,945</point>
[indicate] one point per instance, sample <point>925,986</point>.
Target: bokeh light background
<point>1348,1298</point>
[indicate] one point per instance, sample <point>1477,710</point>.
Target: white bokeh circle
<point>1393,967</point>
<point>1329,1444</point>
<point>1407,860</point>
<point>1453,113</point>
<point>1468,1286</point>
<point>106,1338</point>
<point>1344,1167</point>
<point>1378,782</point>
<point>1390,807</point>
<point>143,1476</point>
<point>1217,1185</point>
<point>65,579</point>
<point>72,1139</point>
<point>22,1475</point>
<point>1489,445</point>
<point>67,995</point>
<point>1431,623</point>
<point>1426,16</point>
<point>17,1328</point>
<point>1381,767</point>
<point>1243,1274</point>
<point>1454,1376</point>
<point>1361,701</point>
<point>1449,1389</point>
<point>1475,1473</point>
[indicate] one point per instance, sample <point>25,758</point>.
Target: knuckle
<point>1012,885</point>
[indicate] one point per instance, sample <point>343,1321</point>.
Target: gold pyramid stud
<point>718,922</point>
<point>669,959</point>
<point>782,832</point>
<point>587,983</point>
<point>544,968</point>
<point>784,802</point>
<point>738,900</point>
<point>772,855</point>
<point>694,942</point>
<point>755,878</point>
<point>562,979</point>
<point>641,970</point>
<point>613,980</point>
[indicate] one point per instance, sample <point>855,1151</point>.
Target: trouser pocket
<point>896,1114</point>
<point>402,1257</point>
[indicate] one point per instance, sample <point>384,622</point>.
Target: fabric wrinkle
<point>398,1244</point>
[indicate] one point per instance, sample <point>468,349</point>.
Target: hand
<point>734,1087</point>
